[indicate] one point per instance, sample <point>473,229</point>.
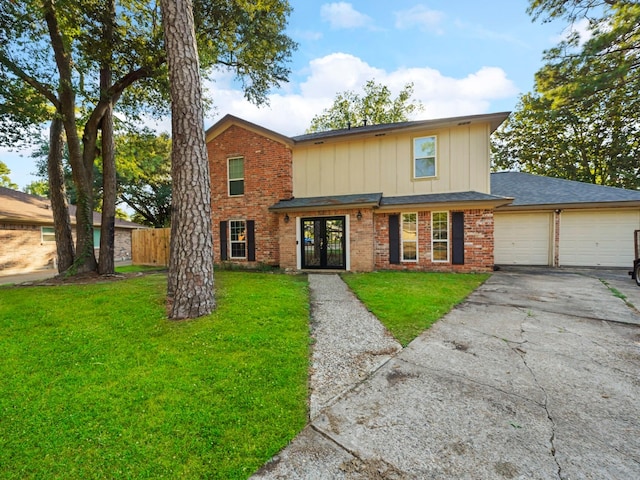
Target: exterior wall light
<point>359,215</point>
<point>286,218</point>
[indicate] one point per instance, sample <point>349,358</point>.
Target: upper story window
<point>424,157</point>
<point>236,176</point>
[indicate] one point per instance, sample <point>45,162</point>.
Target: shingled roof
<point>19,207</point>
<point>494,120</point>
<point>537,191</point>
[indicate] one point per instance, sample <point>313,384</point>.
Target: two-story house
<point>412,195</point>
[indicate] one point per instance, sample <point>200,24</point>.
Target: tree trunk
<point>59,205</point>
<point>85,260</point>
<point>190,278</point>
<point>106,260</point>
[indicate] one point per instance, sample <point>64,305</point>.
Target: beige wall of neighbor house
<point>25,249</point>
<point>384,163</point>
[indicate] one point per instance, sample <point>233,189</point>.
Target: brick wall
<point>267,179</point>
<point>361,238</point>
<point>122,245</point>
<point>478,243</point>
<point>22,249</point>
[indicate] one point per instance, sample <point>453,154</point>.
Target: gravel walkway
<point>349,341</point>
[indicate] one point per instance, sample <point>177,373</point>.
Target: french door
<point>323,243</point>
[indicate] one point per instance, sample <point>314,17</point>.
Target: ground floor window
<point>48,234</point>
<point>238,238</point>
<point>409,237</point>
<point>440,236</point>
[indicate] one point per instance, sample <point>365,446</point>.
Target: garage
<point>598,237</point>
<point>559,222</point>
<point>523,238</point>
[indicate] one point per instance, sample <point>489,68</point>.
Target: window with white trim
<point>424,157</point>
<point>440,236</point>
<point>235,172</point>
<point>48,234</point>
<point>238,238</point>
<point>409,237</point>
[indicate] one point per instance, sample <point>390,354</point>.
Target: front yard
<point>96,383</point>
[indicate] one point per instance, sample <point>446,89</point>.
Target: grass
<point>139,268</point>
<point>410,302</point>
<point>96,383</point>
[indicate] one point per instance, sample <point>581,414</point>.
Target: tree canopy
<point>375,106</point>
<point>581,122</point>
<point>80,60</point>
<point>143,160</point>
<point>5,181</point>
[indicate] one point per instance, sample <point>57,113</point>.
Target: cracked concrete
<point>534,376</point>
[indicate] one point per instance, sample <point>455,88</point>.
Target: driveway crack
<point>545,404</point>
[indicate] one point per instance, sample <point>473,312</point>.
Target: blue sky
<point>464,57</point>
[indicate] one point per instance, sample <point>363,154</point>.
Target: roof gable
<point>228,121</point>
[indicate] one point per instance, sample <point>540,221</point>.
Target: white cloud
<point>419,16</point>
<point>581,27</point>
<point>342,15</point>
<point>290,112</point>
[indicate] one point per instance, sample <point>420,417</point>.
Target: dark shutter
<point>457,234</point>
<point>251,240</point>
<point>394,239</point>
<point>223,241</point>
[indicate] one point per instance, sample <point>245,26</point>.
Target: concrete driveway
<point>536,375</point>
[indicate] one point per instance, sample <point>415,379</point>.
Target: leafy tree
<point>581,122</point>
<point>608,60</point>
<point>190,277</point>
<point>143,161</point>
<point>5,181</point>
<point>83,58</point>
<point>589,143</point>
<point>375,106</point>
<point>37,187</point>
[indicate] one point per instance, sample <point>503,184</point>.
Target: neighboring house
<point>27,239</point>
<point>558,222</point>
<point>412,195</point>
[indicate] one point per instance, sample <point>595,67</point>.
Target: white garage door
<point>522,238</point>
<point>598,237</point>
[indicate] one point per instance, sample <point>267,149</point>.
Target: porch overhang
<point>365,200</point>
<point>463,200</point>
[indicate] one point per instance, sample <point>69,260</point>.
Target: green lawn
<point>410,302</point>
<point>96,383</point>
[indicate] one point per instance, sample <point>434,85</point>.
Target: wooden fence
<point>150,246</point>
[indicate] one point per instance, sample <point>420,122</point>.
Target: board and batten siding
<point>385,164</point>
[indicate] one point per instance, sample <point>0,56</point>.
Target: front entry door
<point>323,243</point>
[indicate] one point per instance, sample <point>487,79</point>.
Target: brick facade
<point>23,249</point>
<point>267,179</point>
<point>478,243</point>
<point>360,237</point>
